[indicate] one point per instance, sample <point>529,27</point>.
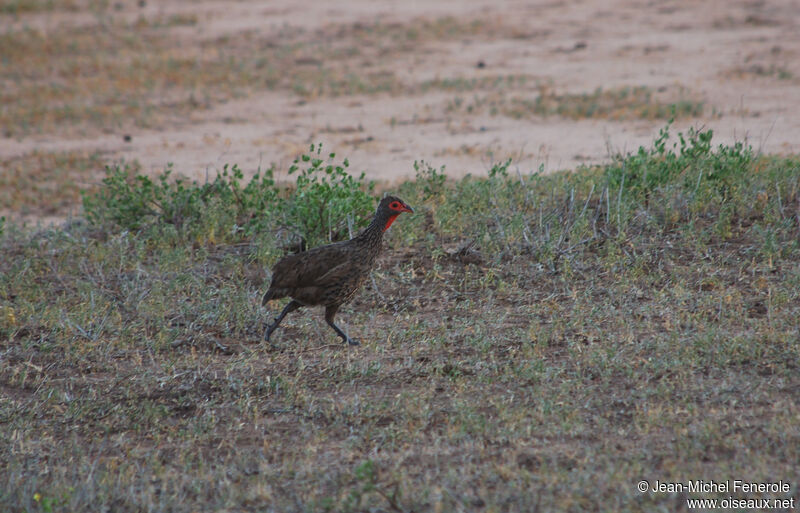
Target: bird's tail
<point>267,296</point>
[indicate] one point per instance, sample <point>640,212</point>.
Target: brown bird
<point>331,275</point>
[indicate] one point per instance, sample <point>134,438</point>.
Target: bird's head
<point>390,207</point>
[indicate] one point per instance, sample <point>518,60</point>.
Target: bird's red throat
<point>390,221</point>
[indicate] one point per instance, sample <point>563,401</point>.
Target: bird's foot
<point>271,345</point>
<point>352,341</point>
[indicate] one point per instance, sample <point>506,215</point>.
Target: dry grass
<point>107,79</point>
<point>17,7</point>
<point>45,184</point>
<point>624,103</point>
<point>119,73</point>
<point>529,343</point>
<point>538,343</point>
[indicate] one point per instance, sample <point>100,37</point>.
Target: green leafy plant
<point>500,169</point>
<point>328,203</point>
<point>134,201</point>
<point>366,475</point>
<point>431,179</point>
<point>691,159</point>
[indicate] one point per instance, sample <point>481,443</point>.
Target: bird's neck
<point>373,234</point>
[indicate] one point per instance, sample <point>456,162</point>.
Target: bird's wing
<point>316,267</point>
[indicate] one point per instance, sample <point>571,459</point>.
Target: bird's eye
<point>395,205</point>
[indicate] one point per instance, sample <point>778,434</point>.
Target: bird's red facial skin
<point>399,207</point>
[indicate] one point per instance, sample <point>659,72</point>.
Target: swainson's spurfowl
<point>330,275</point>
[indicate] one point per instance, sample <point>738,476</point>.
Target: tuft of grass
<point>760,70</point>
<point>16,7</point>
<point>531,342</point>
<point>468,84</point>
<point>622,103</point>
<point>20,7</point>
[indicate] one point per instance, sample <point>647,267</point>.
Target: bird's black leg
<point>291,307</point>
<point>330,312</point>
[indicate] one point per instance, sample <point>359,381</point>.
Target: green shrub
<point>690,160</point>
<point>328,203</point>
<point>430,179</point>
<point>324,203</point>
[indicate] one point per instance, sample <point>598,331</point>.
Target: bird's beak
<point>406,208</point>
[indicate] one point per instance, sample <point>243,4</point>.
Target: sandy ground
<point>741,58</point>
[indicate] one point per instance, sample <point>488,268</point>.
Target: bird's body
<point>331,275</point>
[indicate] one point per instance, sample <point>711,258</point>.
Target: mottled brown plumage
<point>331,275</point>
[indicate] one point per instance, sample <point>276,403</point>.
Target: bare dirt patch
<point>208,83</point>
